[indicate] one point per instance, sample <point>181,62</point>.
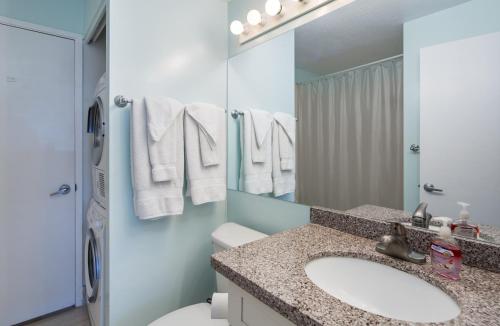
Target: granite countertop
<point>272,270</point>
<point>378,213</point>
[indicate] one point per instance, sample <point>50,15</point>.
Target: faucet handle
<point>396,245</point>
<point>398,229</point>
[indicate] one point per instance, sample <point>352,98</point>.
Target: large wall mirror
<point>346,111</point>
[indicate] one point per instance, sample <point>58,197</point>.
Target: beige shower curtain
<point>350,138</point>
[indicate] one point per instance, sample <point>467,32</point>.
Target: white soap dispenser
<point>461,226</point>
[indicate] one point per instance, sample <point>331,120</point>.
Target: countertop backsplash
<point>373,222</point>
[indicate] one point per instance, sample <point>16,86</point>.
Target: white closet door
<point>37,150</point>
<point>460,127</point>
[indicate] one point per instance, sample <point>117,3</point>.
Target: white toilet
<point>228,235</point>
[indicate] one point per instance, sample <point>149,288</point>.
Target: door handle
<point>429,187</point>
<point>415,148</point>
<point>63,190</point>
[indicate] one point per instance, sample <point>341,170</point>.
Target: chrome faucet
<point>420,217</point>
<point>396,245</point>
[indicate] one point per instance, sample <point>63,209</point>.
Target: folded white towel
<point>164,115</point>
<point>205,136</point>
<point>153,199</point>
<point>286,139</point>
<point>283,154</point>
<point>255,177</point>
<point>262,121</point>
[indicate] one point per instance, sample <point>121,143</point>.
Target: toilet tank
<point>231,235</point>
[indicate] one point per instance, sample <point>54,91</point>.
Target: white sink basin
<point>381,289</point>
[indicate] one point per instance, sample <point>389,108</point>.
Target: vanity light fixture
<point>273,7</point>
<point>278,13</point>
<point>236,27</point>
<point>254,17</point>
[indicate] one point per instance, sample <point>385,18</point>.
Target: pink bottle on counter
<point>446,256</point>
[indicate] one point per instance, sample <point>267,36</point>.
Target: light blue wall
<point>164,48</point>
<point>263,76</point>
<point>467,20</point>
<point>91,9</point>
<point>265,214</point>
<point>302,75</point>
<point>260,78</point>
<point>67,15</point>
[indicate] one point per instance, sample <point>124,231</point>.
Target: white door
<point>37,151</point>
<point>460,127</point>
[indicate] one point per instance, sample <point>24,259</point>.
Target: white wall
<point>177,49</point>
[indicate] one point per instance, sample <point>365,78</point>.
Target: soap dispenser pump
<point>461,226</point>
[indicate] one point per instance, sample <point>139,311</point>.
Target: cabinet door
<point>246,310</point>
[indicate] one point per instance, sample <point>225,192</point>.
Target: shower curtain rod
<point>357,67</point>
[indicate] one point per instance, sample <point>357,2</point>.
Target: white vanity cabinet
<point>246,310</point>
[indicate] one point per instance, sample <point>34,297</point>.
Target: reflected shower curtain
<point>350,138</point>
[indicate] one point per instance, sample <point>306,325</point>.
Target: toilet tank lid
<point>230,235</point>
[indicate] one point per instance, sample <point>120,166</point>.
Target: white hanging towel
<point>261,124</point>
<point>153,199</point>
<point>164,115</point>
<point>205,134</point>
<point>286,139</point>
<point>283,154</point>
<point>256,152</point>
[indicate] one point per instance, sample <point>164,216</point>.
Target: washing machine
<point>99,150</point>
<point>94,262</point>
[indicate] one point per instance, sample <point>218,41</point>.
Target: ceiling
<point>361,32</point>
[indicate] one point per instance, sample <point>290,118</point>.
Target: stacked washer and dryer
<point>94,248</point>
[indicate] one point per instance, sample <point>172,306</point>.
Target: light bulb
<point>254,17</point>
<point>236,27</point>
<point>273,7</point>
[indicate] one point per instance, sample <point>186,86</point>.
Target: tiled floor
<point>71,317</point>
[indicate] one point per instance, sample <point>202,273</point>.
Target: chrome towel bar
<point>121,101</point>
<point>236,113</point>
